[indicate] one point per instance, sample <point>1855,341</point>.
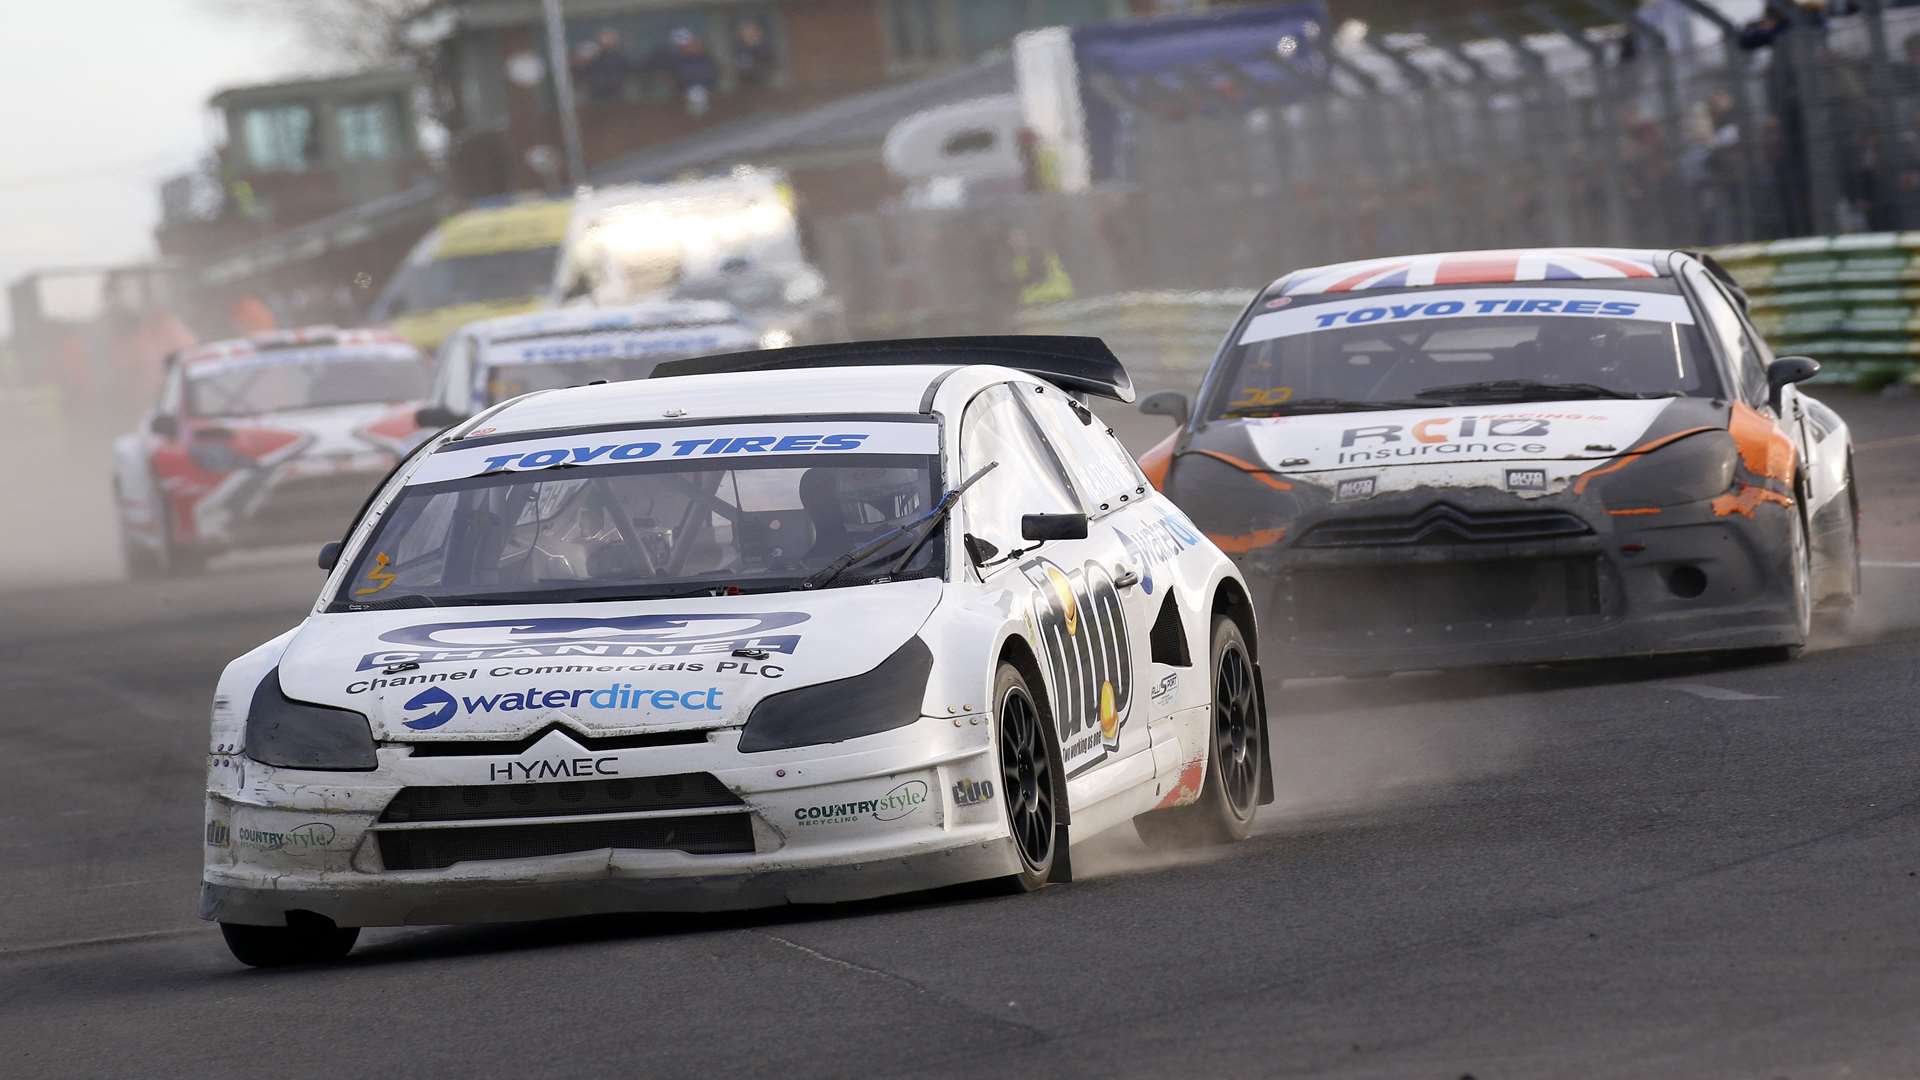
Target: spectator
<point>602,68</point>
<point>753,59</point>
<point>691,69</point>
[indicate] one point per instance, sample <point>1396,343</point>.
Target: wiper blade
<point>919,529</point>
<point>1521,389</point>
<point>1324,405</point>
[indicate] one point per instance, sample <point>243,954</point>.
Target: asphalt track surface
<point>1626,870</point>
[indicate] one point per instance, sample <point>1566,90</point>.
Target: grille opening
<point>436,849</point>
<point>516,747</point>
<point>1444,523</point>
<point>1387,600</point>
<point>479,802</point>
<point>1168,637</point>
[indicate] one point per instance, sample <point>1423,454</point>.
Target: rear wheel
<point>1231,793</point>
<point>306,939</point>
<point>1028,779</point>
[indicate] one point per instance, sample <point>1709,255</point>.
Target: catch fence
<point>1464,136</point>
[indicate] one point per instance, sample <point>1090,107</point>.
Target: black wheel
<point>1029,778</point>
<point>1231,793</point>
<point>307,939</point>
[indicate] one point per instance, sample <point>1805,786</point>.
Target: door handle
<point>1125,577</point>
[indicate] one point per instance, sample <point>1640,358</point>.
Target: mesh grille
<point>479,802</point>
<point>1444,523</point>
<point>435,849</point>
<point>1388,600</point>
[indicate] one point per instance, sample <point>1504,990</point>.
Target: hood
<point>1539,432</point>
<point>505,673</point>
<point>339,438</point>
<point>427,329</point>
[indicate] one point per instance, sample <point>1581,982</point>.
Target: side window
<point>1730,331</point>
<point>995,427</point>
<point>1099,467</point>
<point>443,373</point>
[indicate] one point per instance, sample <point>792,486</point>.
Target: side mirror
<point>1053,527</point>
<point>329,555</point>
<point>1171,403</point>
<point>164,425</point>
<point>1788,370</point>
<point>436,417</point>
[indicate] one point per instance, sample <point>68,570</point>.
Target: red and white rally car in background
<point>263,440</point>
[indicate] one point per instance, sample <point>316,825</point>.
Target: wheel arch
<point>1018,651</point>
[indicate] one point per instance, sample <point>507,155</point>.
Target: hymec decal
<point>617,636</point>
<point>1083,631</point>
<point>1156,544</point>
<point>905,798</point>
<point>441,706</point>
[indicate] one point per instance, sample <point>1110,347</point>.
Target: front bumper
<point>868,817</point>
<point>1684,579</point>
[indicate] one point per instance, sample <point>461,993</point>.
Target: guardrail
<point>1851,302</point>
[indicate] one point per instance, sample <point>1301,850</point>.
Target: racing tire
<point>306,939</point>
<point>1230,795</point>
<point>1032,783</point>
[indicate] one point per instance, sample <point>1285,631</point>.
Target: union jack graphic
<point>1474,268</point>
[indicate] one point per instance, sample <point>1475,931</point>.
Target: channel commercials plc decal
<point>619,636</point>
<point>1083,631</point>
<point>904,799</point>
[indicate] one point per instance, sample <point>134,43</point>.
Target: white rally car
<point>270,439</point>
<point>487,362</point>
<point>817,624</point>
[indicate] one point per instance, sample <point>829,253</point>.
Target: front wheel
<point>1028,779</point>
<point>1230,795</point>
<point>304,940</point>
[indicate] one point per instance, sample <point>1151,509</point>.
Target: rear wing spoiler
<point>1082,364</point>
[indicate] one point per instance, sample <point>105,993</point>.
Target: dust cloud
<point>61,528</point>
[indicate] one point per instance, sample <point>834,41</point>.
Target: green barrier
<point>1851,301</point>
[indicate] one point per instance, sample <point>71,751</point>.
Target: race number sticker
<point>1425,306</point>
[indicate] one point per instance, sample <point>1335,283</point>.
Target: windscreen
<point>471,279</point>
<point>509,369</point>
<point>283,381</point>
<point>652,514</point>
<point>1416,348</point>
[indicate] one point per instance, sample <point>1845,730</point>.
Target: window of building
<point>914,30</point>
<point>280,138</point>
<point>367,130</point>
<point>667,55</point>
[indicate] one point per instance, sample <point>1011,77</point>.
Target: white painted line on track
<point>1883,565</point>
<point>1716,693</point>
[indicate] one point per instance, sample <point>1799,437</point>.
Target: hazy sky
<point>101,99</point>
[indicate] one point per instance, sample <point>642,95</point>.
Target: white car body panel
<point>911,807</point>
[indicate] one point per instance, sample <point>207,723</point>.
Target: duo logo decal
<point>1083,632</point>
